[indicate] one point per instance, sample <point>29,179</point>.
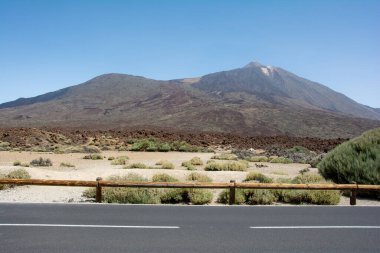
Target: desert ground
<point>91,169</point>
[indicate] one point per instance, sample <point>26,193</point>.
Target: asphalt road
<point>134,228</point>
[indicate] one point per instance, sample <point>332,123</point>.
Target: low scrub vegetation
<point>165,165</point>
<point>121,160</point>
<point>256,176</point>
<point>195,176</point>
<point>153,196</point>
<point>297,154</point>
<point>257,159</point>
<point>188,196</point>
<point>228,166</point>
<point>15,174</point>
<point>225,156</point>
<point>93,157</point>
<point>136,166</point>
<point>196,161</point>
<point>154,145</point>
<point>126,195</point>
<point>68,165</point>
<point>266,197</point>
<point>5,146</point>
<point>281,160</point>
<point>163,178</point>
<point>190,165</point>
<point>41,162</point>
<point>64,149</point>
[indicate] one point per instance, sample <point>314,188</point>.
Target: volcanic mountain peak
<point>253,100</point>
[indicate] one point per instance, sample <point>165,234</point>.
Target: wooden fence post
<point>98,191</point>
<point>353,197</point>
<point>232,193</point>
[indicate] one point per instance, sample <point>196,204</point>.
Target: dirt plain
<point>91,169</point>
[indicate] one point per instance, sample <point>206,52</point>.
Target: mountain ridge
<point>252,100</point>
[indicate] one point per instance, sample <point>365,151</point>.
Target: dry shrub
<point>124,194</point>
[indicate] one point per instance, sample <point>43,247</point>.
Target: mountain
<point>253,100</point>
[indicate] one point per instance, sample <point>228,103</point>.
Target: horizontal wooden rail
<point>308,186</point>
<point>164,184</point>
<point>47,182</point>
<point>232,185</point>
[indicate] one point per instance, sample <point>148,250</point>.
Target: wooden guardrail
<point>232,186</point>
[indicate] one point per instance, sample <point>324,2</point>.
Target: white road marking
<point>318,227</point>
<point>85,226</point>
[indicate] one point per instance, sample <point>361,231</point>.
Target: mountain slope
<point>253,100</point>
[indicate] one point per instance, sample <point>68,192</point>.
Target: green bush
<point>196,161</point>
<point>111,158</point>
<point>126,195</point>
<point>249,197</point>
<point>200,196</point>
<point>15,174</point>
<point>41,162</point>
<point>193,196</point>
<point>357,160</point>
<point>140,145</point>
<point>256,176</point>
<point>5,146</point>
<point>225,156</point>
<point>16,163</point>
<point>229,166</point>
<point>156,145</point>
<point>19,174</point>
<point>163,178</point>
<point>259,197</point>
<point>121,160</point>
<point>281,160</point>
<point>164,147</point>
<point>188,165</point>
<point>152,147</point>
<point>136,166</point>
<point>169,196</point>
<point>195,176</point>
<point>258,159</point>
<point>224,196</point>
<point>175,196</point>
<point>165,165</point>
<point>317,197</point>
<point>266,197</point>
<point>93,157</point>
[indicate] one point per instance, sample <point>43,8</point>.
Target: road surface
<point>104,228</point>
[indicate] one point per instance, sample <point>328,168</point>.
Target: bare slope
<point>254,100</point>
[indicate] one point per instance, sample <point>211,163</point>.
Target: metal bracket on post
<point>98,191</point>
<point>232,192</point>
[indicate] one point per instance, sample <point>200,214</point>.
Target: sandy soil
<point>90,170</point>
